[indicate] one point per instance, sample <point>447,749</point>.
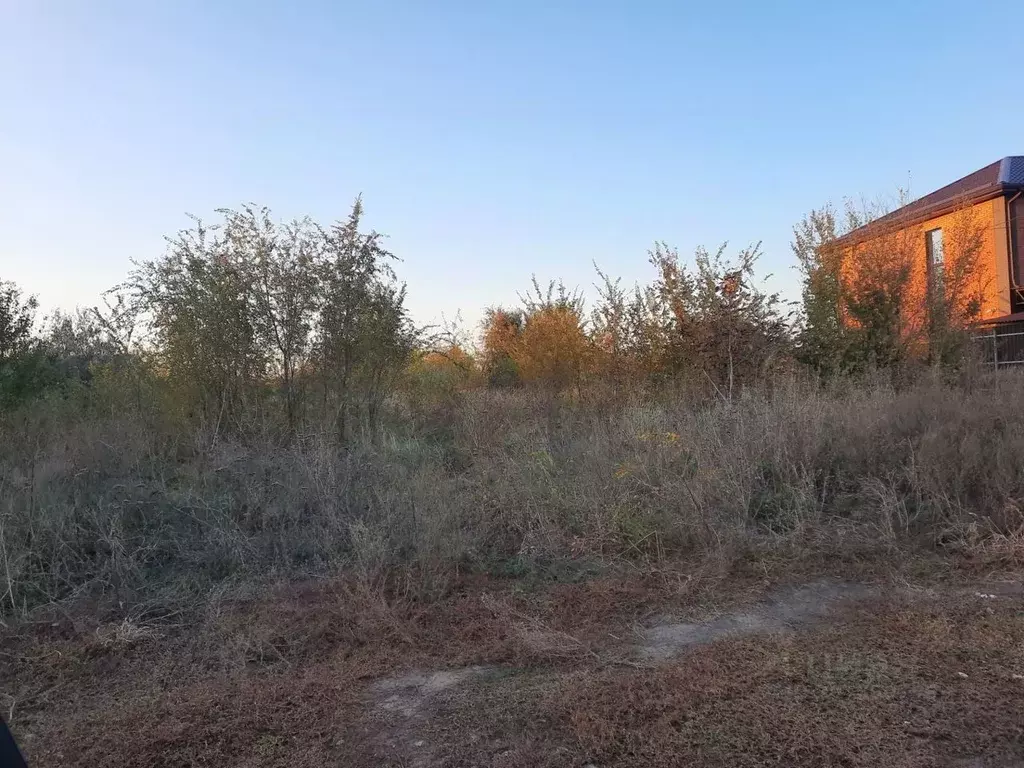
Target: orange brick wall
<point>995,296</point>
<point>986,219</point>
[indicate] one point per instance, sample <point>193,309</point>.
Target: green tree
<point>204,328</point>
<point>821,340</point>
<point>17,317</point>
<point>715,320</point>
<point>251,313</point>
<point>365,337</point>
<point>707,321</point>
<point>25,370</point>
<point>280,263</point>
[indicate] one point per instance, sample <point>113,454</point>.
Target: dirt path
<point>782,611</point>
<point>406,703</point>
<point>410,703</point>
<point>600,673</point>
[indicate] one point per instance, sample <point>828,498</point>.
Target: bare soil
<point>783,611</point>
<point>640,670</point>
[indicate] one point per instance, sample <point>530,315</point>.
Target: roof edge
<point>971,197</point>
<point>1004,170</point>
<point>991,322</point>
<point>1002,177</point>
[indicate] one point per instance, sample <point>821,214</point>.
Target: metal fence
<point>1001,349</point>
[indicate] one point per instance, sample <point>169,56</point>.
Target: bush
<point>120,505</point>
<point>278,421</point>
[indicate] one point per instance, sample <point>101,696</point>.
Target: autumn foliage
<point>545,343</point>
<point>708,325</point>
<point>870,299</point>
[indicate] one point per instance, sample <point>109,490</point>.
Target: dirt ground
<point>626,669</point>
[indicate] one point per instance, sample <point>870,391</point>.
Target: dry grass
<point>282,678</point>
<point>138,566</point>
<point>913,681</point>
<point>119,508</point>
<point>289,678</point>
<point>894,684</point>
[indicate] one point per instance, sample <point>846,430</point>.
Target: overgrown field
<point>104,505</point>
<point>250,514</point>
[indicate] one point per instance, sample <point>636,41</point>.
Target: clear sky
<point>491,139</point>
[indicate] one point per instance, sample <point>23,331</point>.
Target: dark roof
<point>1011,170</point>
<point>1016,317</point>
<point>998,178</point>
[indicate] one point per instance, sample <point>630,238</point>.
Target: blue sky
<point>490,140</point>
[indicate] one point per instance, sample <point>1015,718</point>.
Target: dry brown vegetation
<point>529,532</point>
<point>893,684</point>
<point>512,482</point>
<point>286,528</point>
<point>293,678</point>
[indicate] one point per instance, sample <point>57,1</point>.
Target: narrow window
<point>933,245</point>
<point>1017,240</point>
